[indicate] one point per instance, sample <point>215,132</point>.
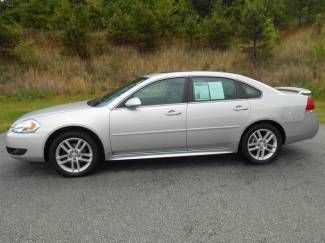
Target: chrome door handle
<point>173,113</point>
<point>240,108</point>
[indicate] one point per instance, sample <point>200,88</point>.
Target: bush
<point>120,28</point>
<point>146,29</point>
<point>217,32</point>
<point>76,36</point>
<point>9,37</point>
<point>191,28</point>
<point>26,53</point>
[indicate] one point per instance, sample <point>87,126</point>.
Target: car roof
<point>195,73</point>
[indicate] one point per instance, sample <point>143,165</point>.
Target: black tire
<point>244,143</point>
<point>80,135</point>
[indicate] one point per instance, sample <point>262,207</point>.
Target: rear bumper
<point>301,130</point>
<point>26,146</point>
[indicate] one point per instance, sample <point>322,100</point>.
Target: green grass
<point>320,108</point>
<point>10,109</point>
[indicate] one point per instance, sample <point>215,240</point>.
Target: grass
<point>320,108</point>
<point>10,111</point>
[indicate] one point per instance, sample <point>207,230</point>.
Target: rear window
<point>246,91</point>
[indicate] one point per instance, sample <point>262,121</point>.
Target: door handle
<point>240,108</point>
<point>173,113</point>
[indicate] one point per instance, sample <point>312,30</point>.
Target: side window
<point>209,88</point>
<point>247,92</point>
<point>168,91</point>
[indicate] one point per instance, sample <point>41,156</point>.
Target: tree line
<point>253,24</point>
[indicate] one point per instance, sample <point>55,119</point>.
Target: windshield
<point>116,93</point>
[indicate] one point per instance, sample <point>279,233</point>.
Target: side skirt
<point>153,155</point>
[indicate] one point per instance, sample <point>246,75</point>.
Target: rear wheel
<point>74,153</point>
<point>261,144</point>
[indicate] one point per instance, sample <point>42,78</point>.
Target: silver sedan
<point>167,115</point>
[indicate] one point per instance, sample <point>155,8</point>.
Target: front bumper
<point>32,144</point>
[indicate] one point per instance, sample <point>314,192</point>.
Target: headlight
<point>27,126</point>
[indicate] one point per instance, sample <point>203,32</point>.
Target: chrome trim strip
<point>211,128</point>
<point>176,130</point>
<point>148,132</point>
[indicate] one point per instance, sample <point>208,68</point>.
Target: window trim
<point>236,82</point>
<point>184,101</point>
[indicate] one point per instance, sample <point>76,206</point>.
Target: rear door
<point>215,115</point>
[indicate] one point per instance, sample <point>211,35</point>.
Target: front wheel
<point>74,153</point>
<point>261,144</point>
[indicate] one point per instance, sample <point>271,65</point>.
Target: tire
<point>261,137</point>
<point>74,153</point>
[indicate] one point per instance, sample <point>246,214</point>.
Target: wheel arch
<point>274,123</point>
<point>71,128</point>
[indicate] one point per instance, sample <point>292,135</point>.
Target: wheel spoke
<point>78,165</point>
<point>62,162</point>
<point>259,134</point>
<point>262,153</point>
<point>82,146</point>
<point>252,149</point>
<point>270,138</point>
<point>85,160</point>
<point>63,146</point>
<point>66,142</point>
<point>78,144</point>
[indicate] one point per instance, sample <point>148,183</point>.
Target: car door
<point>215,116</point>
<point>157,125</point>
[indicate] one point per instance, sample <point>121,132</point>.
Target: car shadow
<point>291,155</point>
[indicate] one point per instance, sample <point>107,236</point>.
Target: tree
<point>146,28</point>
<point>217,32</point>
<point>191,28</point>
<point>165,13</point>
<point>257,30</point>
<point>120,28</point>
<point>76,36</point>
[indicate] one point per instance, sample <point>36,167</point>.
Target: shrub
<point>191,28</point>
<point>9,37</point>
<point>146,29</point>
<point>76,36</point>
<point>26,53</point>
<point>217,32</point>
<point>120,28</point>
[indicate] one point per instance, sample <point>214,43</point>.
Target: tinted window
<point>208,88</point>
<point>168,91</point>
<point>248,92</point>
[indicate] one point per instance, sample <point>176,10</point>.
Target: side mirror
<point>133,102</point>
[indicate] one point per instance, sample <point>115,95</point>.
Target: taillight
<point>310,104</point>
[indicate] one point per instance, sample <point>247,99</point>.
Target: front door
<point>215,116</point>
<point>158,125</point>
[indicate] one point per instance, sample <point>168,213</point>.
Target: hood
<point>82,105</point>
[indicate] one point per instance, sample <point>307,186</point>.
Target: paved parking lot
<point>197,199</point>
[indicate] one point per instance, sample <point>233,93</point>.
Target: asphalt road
<point>198,199</point>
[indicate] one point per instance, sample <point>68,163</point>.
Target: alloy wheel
<point>74,155</point>
<point>262,144</point>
